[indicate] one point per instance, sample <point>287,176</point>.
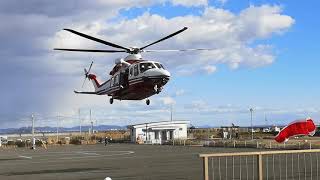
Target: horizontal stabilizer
<point>81,92</point>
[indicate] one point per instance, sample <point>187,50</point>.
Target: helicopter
<point>132,77</point>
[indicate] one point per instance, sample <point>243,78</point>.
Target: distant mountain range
<point>48,129</point>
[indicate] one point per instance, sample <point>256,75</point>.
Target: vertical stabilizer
<point>94,81</point>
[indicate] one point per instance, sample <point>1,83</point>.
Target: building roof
<point>160,123</point>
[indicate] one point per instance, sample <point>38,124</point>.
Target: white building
<point>158,132</point>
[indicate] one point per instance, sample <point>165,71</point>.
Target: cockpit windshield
<point>146,66</point>
<point>159,65</point>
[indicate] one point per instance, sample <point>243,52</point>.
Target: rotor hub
<point>133,57</point>
<point>134,50</point>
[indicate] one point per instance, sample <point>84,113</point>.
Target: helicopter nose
<point>158,72</point>
<point>166,73</point>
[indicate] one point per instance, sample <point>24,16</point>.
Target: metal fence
<point>256,143</point>
<point>273,165</point>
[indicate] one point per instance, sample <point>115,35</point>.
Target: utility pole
<point>58,128</point>
<point>171,112</point>
<point>91,123</point>
<point>79,121</point>
<point>96,125</point>
<point>33,139</point>
<point>265,119</point>
<point>91,127</point>
<point>146,131</point>
<point>251,111</point>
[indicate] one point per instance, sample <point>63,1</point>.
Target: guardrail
<point>262,165</point>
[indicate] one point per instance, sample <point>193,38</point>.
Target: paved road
<point>118,161</point>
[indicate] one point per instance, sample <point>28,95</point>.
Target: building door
<point>171,135</point>
<point>164,135</point>
<point>156,135</point>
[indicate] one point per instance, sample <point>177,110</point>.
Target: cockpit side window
<point>158,65</point>
<point>136,72</point>
<point>146,66</point>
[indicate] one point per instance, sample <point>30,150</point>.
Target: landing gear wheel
<point>148,101</point>
<point>111,100</point>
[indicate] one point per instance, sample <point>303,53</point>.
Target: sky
<point>265,57</point>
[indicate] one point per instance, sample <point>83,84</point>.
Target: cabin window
<point>111,82</point>
<point>146,66</point>
<point>116,80</point>
<point>131,71</point>
<point>136,72</point>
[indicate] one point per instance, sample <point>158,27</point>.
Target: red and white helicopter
<point>132,78</point>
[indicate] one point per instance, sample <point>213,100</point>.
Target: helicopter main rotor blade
<point>97,40</point>
<point>162,39</point>
<point>178,50</point>
<point>90,50</point>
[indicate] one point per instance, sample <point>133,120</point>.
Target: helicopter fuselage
<point>139,80</point>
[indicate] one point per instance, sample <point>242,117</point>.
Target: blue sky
<point>269,64</point>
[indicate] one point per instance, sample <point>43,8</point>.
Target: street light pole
<point>171,112</point>
<point>58,119</point>
<point>79,121</point>
<point>251,111</point>
<point>33,139</point>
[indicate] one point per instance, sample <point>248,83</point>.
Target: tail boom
<point>95,82</point>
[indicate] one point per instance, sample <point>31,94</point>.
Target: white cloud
<point>210,69</point>
<point>230,34</point>
<point>180,92</point>
<point>189,3</point>
<point>167,100</point>
<point>222,1</point>
<point>262,21</point>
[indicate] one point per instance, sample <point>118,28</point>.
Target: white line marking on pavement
<point>119,153</point>
<point>89,153</point>
<point>26,157</point>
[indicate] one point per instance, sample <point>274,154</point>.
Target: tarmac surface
<point>117,161</point>
<point>130,161</point>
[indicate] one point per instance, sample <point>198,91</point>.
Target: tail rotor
<point>86,74</point>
